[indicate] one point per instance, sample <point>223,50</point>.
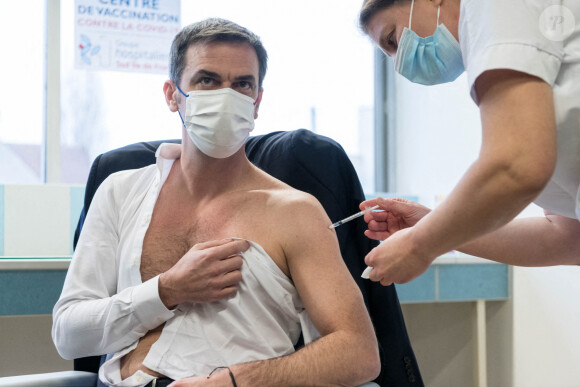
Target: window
<point>22,91</point>
<point>319,78</point>
<point>320,74</point>
<point>103,110</point>
<point>438,133</point>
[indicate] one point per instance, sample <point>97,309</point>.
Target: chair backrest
<point>317,165</point>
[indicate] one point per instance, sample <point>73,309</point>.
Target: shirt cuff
<point>148,306</point>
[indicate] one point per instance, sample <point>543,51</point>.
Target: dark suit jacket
<point>317,165</point>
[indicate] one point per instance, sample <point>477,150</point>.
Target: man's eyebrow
<point>204,73</point>
<point>247,78</point>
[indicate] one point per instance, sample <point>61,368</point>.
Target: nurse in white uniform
<point>522,59</point>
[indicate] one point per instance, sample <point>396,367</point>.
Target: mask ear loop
<point>178,112</point>
<point>438,12</point>
<point>411,14</point>
<point>185,95</point>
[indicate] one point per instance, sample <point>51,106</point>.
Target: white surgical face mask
<point>218,121</point>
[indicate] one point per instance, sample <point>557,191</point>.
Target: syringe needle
<point>348,219</point>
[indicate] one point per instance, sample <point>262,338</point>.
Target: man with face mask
<point>183,270</point>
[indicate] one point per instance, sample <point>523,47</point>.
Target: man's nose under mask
<point>218,121</point>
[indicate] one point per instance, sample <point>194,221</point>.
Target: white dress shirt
<point>105,308</point>
<point>523,35</point>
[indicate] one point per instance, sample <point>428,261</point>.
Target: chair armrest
<point>52,379</point>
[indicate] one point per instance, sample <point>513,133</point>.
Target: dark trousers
<point>159,382</point>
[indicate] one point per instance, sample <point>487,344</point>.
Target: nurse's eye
<point>389,44</point>
<point>391,41</point>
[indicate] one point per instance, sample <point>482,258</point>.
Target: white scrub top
<point>541,38</point>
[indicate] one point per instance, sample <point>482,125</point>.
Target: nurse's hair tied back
<point>370,7</point>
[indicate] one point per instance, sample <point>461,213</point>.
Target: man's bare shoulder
<point>287,199</point>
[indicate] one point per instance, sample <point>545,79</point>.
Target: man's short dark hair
<point>213,30</point>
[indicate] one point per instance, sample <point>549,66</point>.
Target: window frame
<point>50,147</point>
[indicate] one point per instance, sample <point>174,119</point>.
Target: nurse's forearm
<point>487,197</point>
<point>517,158</point>
<point>541,241</point>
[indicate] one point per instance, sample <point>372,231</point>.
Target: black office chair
<point>317,165</point>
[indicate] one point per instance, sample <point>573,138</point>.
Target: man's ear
<point>257,103</point>
<point>171,95</point>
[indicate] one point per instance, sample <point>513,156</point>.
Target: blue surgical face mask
<point>429,61</point>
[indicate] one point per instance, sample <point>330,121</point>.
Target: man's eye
<point>244,84</point>
<point>206,81</point>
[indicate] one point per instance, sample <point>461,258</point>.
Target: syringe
<point>365,211</point>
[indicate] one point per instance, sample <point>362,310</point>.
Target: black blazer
<point>317,165</point>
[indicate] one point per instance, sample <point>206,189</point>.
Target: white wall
<point>547,327</point>
<point>438,137</point>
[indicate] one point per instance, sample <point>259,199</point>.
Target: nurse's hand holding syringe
<point>395,215</point>
<point>348,219</point>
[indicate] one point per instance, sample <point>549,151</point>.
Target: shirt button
<point>134,261</point>
<point>139,379</point>
<point>146,220</point>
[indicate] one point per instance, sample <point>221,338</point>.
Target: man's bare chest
<point>173,231</point>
